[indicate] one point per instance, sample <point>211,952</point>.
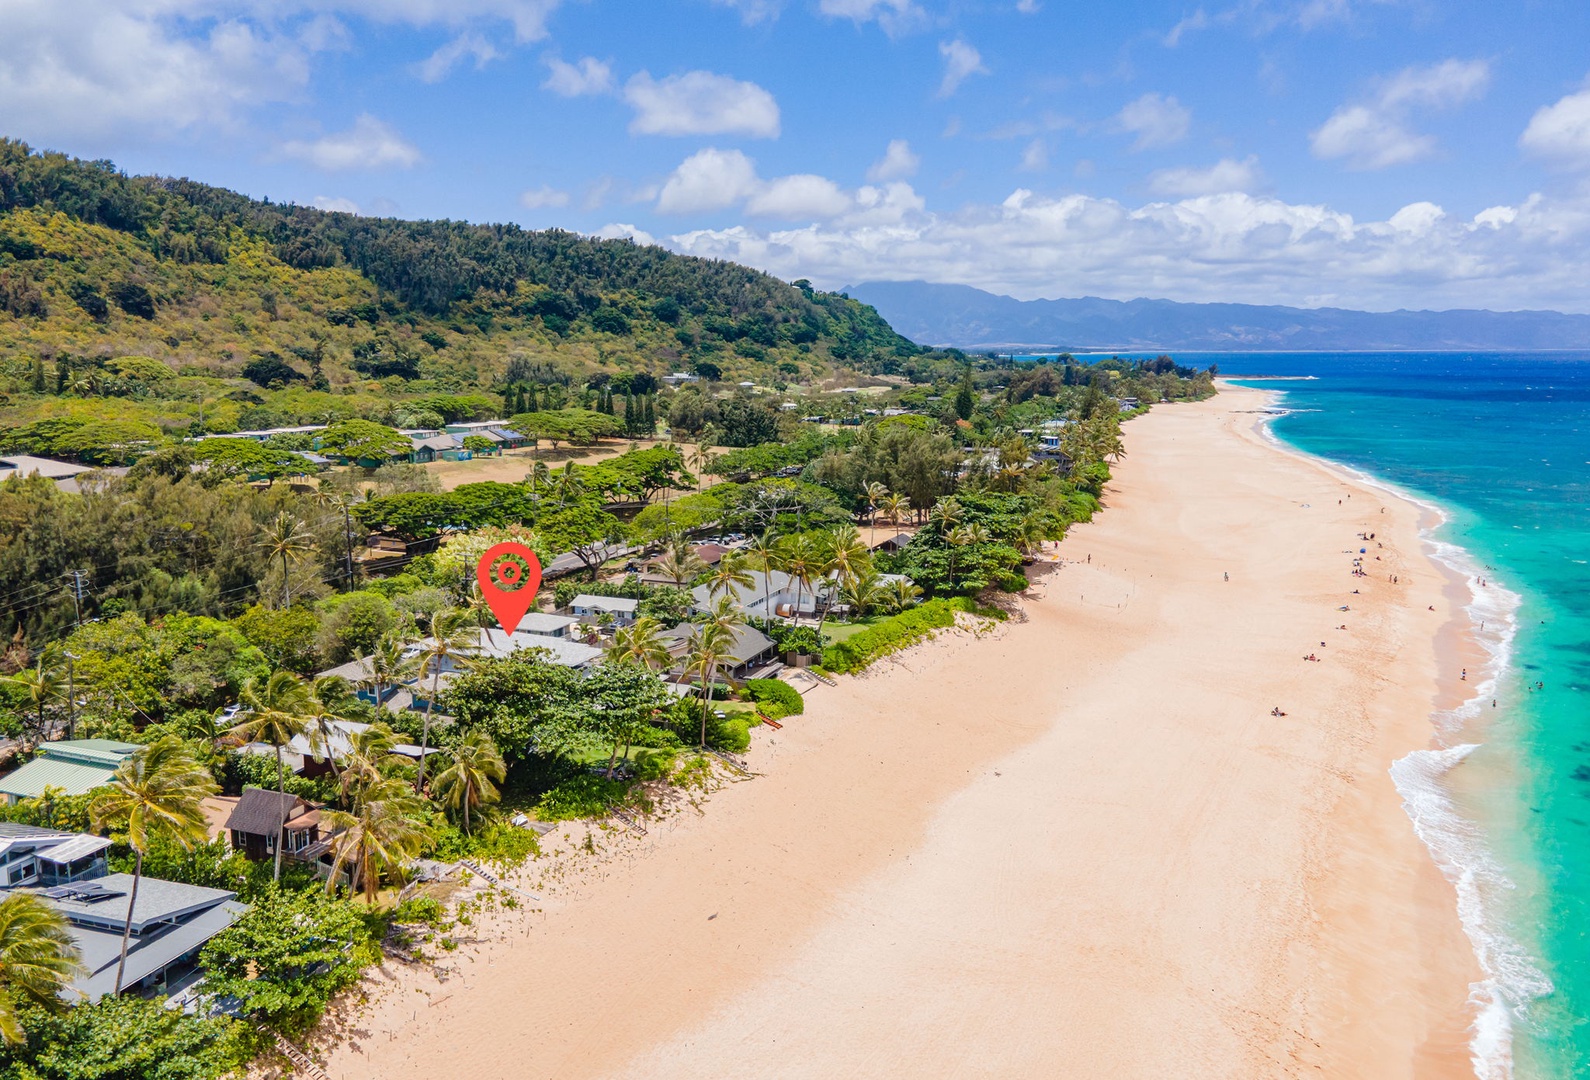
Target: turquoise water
<point>1502,444</point>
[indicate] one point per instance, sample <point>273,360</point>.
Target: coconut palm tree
<point>902,594</point>
<point>369,750</point>
<point>38,960</point>
<point>287,539</point>
<point>680,564</point>
<point>701,457</point>
<point>567,485</point>
<point>323,716</point>
<point>762,552</point>
<point>640,643</point>
<point>708,647</point>
<point>802,558</point>
<point>876,491</point>
<point>729,574</point>
<point>892,506</point>
<point>274,712</point>
<point>41,686</point>
<point>865,593</point>
<point>160,790</point>
<point>946,514</point>
<point>847,558</point>
<point>452,643</point>
<point>388,665</point>
<point>383,833</point>
<point>467,782</point>
<point>540,477</point>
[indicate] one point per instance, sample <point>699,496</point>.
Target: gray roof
<point>77,847</point>
<point>148,952</point>
<point>764,583</point>
<point>262,812</point>
<point>541,622</point>
<point>749,642</point>
<point>605,603</point>
<point>49,468</point>
<point>158,901</point>
<point>434,442</point>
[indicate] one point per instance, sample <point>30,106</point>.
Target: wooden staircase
<point>492,879</point>
<point>300,1060</point>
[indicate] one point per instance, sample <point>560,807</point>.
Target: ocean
<point>1500,443</point>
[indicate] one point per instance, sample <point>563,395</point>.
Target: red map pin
<point>509,575</point>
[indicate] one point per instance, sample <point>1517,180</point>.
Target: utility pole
<point>347,533</point>
<point>71,699</point>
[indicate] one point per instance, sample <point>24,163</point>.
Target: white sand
<point>1081,846</point>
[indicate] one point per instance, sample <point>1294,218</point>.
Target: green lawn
<point>839,631</point>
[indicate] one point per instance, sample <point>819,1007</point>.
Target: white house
<point>772,594</point>
<point>589,608</point>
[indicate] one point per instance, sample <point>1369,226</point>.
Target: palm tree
<point>368,751</point>
<point>730,573</point>
<point>876,491</point>
<point>38,960</point>
<point>286,538</point>
<point>762,552</point>
<point>275,713</point>
<point>452,644</point>
<point>468,781</point>
<point>708,646</point>
<point>681,564</point>
<point>893,506</point>
<point>700,457</point>
<point>801,558</point>
<point>946,514</point>
<point>961,537</point>
<point>568,484</point>
<point>847,557</point>
<point>160,790</point>
<point>388,665</point>
<point>42,685</point>
<point>382,833</point>
<point>640,643</point>
<point>902,594</point>
<point>864,593</point>
<point>540,477</point>
<point>321,724</point>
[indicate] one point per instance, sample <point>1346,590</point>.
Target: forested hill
<point>96,264</point>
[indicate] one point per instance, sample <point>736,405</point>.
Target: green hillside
<point>154,305</point>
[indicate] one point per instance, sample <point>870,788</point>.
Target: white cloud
<point>897,162</point>
<point>1226,247</point>
<point>700,103</point>
<point>587,75</point>
<point>961,62</point>
<point>436,67</point>
<point>709,179</point>
<point>369,144</point>
<point>543,197</point>
<point>1035,158</point>
<point>895,16</point>
<point>753,11</point>
<point>334,204</point>
<point>1198,20</point>
<point>1028,7</point>
<point>1225,175</point>
<point>799,197</point>
<point>1378,133</point>
<point>1561,132</point>
<point>1156,120</point>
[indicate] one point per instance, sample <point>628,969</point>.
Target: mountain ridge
<point>969,318</point>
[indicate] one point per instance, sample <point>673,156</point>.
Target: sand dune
<point>1078,846</point>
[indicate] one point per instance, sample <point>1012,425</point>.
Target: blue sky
<point>1363,153</point>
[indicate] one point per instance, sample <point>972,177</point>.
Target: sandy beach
<point>1079,845</point>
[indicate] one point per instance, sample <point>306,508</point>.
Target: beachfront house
<point>76,766</point>
<point>262,815</point>
<point>169,925</point>
<point>750,651</point>
<point>772,594</point>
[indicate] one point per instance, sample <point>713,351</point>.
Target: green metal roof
<point>75,777</point>
<point>89,751</point>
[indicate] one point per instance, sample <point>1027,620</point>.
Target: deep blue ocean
<point>1501,443</point>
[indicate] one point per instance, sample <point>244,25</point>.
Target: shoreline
<point>1082,827</point>
<point>1479,638</point>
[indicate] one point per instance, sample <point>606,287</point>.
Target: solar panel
<point>87,892</point>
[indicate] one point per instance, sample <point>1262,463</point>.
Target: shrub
<point>1012,581</point>
<point>776,692</point>
<point>731,734</point>
<point>893,634</point>
<point>655,764</point>
<point>497,842</point>
<point>419,909</point>
<point>581,797</point>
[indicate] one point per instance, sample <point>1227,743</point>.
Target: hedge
<point>776,692</point>
<point>893,634</point>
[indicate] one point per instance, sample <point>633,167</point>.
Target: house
<point>32,856</point>
<point>771,594</point>
<point>63,473</point>
<point>431,447</point>
<point>262,816</point>
<point>653,574</point>
<point>750,650</point>
<point>679,377</point>
<point>169,925</point>
<point>76,766</point>
<point>589,608</point>
<point>545,624</point>
<point>891,544</point>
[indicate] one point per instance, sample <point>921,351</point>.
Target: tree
<point>847,557</point>
<point>38,960</point>
<point>802,558</point>
<point>708,646</point>
<point>965,396</point>
<point>729,574</point>
<point>892,506</point>
<point>370,753</point>
<point>902,594</point>
<point>452,643</point>
<point>382,834</point>
<point>287,539</point>
<point>323,719</point>
<point>512,698</point>
<point>365,440</point>
<point>245,459</point>
<point>388,665</point>
<point>275,713</point>
<point>583,530</point>
<point>41,686</point>
<point>158,791</point>
<point>467,782</point>
<point>680,564</point>
<point>640,643</point>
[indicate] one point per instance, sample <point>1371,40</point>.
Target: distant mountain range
<point>969,318</point>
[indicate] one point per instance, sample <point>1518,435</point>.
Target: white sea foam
<point>1512,977</point>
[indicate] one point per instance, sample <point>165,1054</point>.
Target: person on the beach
<point>1465,675</point>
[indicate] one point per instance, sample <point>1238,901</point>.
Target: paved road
<point>569,562</point>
